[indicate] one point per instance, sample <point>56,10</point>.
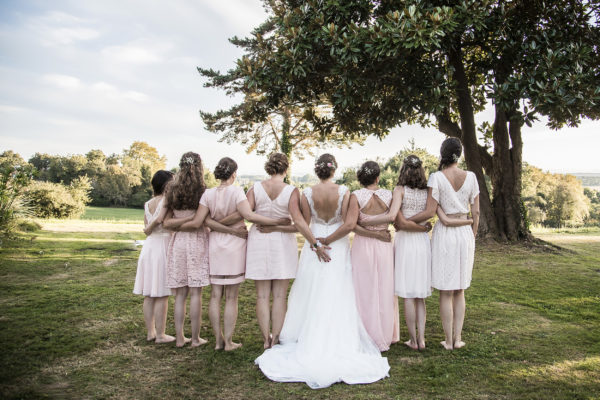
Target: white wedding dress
<point>323,340</point>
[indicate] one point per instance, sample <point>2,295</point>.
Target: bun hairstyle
<point>277,164</point>
<point>449,152</point>
<point>186,188</point>
<point>412,173</point>
<point>368,172</point>
<point>159,181</point>
<point>325,166</point>
<point>225,168</point>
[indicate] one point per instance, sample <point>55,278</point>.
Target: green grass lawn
<point>71,328</point>
<point>113,214</point>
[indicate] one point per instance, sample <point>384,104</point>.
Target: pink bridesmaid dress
<point>271,255</point>
<point>226,253</point>
<point>373,276</point>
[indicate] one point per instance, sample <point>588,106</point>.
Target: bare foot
<point>232,346</point>
<point>274,340</point>
<point>220,343</point>
<point>150,338</point>
<point>181,343</point>
<point>421,345</point>
<point>411,345</point>
<point>458,344</point>
<point>199,342</point>
<point>165,339</point>
<point>446,346</point>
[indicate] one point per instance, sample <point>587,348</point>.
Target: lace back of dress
<point>338,212</point>
<point>414,201</point>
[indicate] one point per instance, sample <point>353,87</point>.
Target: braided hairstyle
<point>412,173</point>
<point>449,152</point>
<point>225,168</point>
<point>185,190</point>
<point>325,166</point>
<point>367,173</point>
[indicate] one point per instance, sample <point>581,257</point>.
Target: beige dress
<point>226,253</point>
<point>271,255</point>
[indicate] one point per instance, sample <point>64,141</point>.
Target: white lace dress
<point>323,340</point>
<point>151,276</point>
<point>412,251</point>
<point>452,248</point>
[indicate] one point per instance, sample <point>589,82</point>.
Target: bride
<point>323,340</point>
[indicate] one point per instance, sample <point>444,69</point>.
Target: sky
<point>80,75</point>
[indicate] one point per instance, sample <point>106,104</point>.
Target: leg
<point>446,315</point>
<point>214,314</point>
<point>149,317</point>
<point>180,300</point>
<point>196,315</point>
<point>458,305</point>
<point>263,295</point>
<point>410,318</point>
<point>280,290</point>
<point>421,317</point>
<point>161,306</point>
<point>231,313</point>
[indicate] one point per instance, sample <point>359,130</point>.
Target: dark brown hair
<point>325,166</point>
<point>225,168</point>
<point>159,181</point>
<point>368,173</point>
<point>412,173</point>
<point>277,164</point>
<point>450,152</point>
<point>185,190</point>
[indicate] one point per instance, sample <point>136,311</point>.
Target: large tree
<point>384,63</point>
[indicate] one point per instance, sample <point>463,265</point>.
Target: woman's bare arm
<point>475,215</point>
<point>300,222</point>
<point>173,223</point>
<point>349,222</point>
<point>384,235</point>
<point>390,215</point>
<point>198,219</point>
<point>452,222</point>
<point>430,209</point>
<point>244,209</point>
<point>241,232</point>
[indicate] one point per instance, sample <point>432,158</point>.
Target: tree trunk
<point>286,144</point>
<point>487,224</point>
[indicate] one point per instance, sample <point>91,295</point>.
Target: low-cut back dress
<point>323,340</point>
<point>452,248</point>
<point>151,276</point>
<point>272,255</point>
<point>373,276</point>
<point>412,251</point>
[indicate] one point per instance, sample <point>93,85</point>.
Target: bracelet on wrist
<point>316,245</point>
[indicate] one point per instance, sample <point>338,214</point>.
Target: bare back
<point>325,198</point>
<point>273,188</point>
<point>375,206</point>
<point>456,177</point>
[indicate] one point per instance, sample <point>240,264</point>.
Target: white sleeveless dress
<point>452,248</point>
<point>412,251</point>
<point>323,340</point>
<point>151,276</point>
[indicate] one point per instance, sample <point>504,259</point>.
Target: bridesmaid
<point>272,254</point>
<point>452,192</point>
<point>227,253</point>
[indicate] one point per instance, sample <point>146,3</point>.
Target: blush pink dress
<point>151,276</point>
<point>227,253</point>
<point>373,276</point>
<point>187,256</point>
<point>271,255</point>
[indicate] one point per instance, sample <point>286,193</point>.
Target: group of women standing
<point>342,308</point>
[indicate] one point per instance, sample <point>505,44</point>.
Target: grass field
<point>113,214</point>
<point>70,327</point>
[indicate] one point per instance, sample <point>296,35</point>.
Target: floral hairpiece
<point>368,170</point>
<point>323,164</point>
<point>455,157</point>
<point>414,161</point>
<point>188,160</point>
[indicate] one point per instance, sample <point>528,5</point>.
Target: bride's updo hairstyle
<point>185,190</point>
<point>367,173</point>
<point>225,168</point>
<point>449,152</point>
<point>277,164</point>
<point>412,173</point>
<point>325,166</point>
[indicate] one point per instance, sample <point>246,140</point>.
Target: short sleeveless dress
<point>271,255</point>
<point>226,253</point>
<point>151,276</point>
<point>412,251</point>
<point>452,248</point>
<point>187,256</point>
<point>373,276</point>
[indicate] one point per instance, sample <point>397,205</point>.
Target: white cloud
<point>130,54</point>
<point>62,81</point>
<point>57,28</point>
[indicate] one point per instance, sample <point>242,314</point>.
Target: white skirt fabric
<point>412,265</point>
<point>151,276</point>
<point>452,256</point>
<point>323,340</point>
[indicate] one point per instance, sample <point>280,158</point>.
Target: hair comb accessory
<point>455,157</point>
<point>189,160</point>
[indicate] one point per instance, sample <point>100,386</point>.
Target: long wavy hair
<point>186,189</point>
<point>412,173</point>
